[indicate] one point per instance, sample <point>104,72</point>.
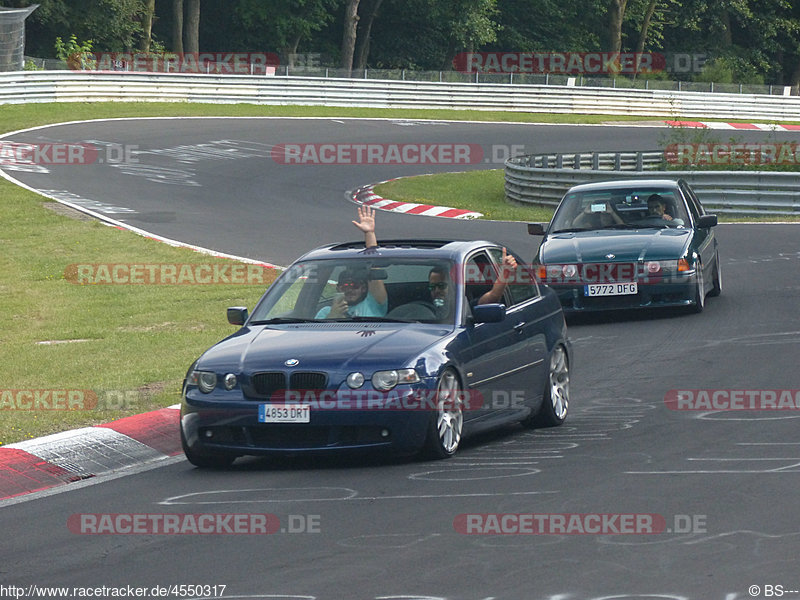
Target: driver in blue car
<point>359,295</point>
<point>439,286</point>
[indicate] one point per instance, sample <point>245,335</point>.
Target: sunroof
<point>394,244</point>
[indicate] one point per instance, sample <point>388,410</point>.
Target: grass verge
<point>481,191</point>
<point>127,345</point>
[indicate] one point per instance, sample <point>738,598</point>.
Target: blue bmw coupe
<point>407,347</point>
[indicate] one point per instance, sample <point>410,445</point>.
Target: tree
<point>147,24</point>
<point>550,25</point>
<point>191,31</point>
<point>177,26</point>
<point>281,25</point>
<point>349,35</point>
<point>616,13</point>
<point>112,25</point>
<point>364,35</point>
<point>648,17</point>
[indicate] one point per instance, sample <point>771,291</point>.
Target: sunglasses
<point>348,285</point>
<point>442,285</point>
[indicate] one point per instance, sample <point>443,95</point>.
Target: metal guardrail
<point>542,179</point>
<point>555,79</point>
<point>80,86</point>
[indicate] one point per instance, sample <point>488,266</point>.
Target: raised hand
<point>366,222</point>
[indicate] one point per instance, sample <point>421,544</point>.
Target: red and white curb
<point>62,458</point>
<point>733,126</point>
<point>366,196</point>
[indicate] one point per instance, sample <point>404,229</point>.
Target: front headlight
<point>386,380</point>
<point>206,381</point>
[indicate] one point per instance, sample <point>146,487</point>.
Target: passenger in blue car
<point>359,295</point>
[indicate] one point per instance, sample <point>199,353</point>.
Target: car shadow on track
<point>361,459</point>
<point>626,316</point>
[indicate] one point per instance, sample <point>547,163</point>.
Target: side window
<point>694,204</point>
<point>522,285</point>
<point>479,276</point>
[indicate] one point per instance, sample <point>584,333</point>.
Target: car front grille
<point>266,384</point>
<point>307,381</point>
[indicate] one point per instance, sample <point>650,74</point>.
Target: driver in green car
<point>656,207</point>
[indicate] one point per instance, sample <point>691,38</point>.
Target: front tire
<point>700,290</point>
<point>447,421</point>
<point>555,400</point>
<point>716,280</point>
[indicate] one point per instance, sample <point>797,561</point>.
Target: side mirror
<point>488,313</point>
<point>237,315</point>
<point>707,221</point>
<point>536,228</point>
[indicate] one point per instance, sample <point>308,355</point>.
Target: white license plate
<point>284,413</point>
<point>610,289</point>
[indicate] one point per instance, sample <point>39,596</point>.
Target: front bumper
<point>232,427</point>
<point>678,292</point>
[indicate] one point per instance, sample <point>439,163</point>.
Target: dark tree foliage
<point>746,41</point>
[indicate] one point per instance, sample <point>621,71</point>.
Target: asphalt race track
<point>722,483</point>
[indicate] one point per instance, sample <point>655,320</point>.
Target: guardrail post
<point>595,161</point>
<point>577,161</point>
<point>618,161</point>
<point>639,161</point>
<point>559,161</point>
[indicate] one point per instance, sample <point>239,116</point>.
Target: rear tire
<point>555,400</point>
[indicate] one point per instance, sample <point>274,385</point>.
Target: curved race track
<point>724,482</point>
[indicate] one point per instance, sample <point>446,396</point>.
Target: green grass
<point>21,116</point>
<point>138,340</point>
<point>481,191</point>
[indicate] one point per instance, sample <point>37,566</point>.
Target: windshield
<point>620,209</point>
<point>356,290</point>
